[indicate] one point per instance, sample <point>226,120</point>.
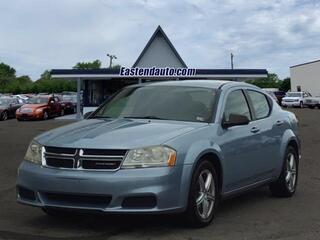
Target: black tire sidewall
<point>192,213</point>
<point>292,150</point>
<point>44,113</point>
<point>280,188</point>
<point>4,113</point>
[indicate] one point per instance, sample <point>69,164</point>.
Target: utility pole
<point>231,60</point>
<point>111,58</point>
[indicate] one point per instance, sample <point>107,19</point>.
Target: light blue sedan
<point>176,146</point>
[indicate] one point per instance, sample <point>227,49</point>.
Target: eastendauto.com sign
<point>154,72</point>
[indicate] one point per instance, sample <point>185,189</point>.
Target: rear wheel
<point>286,185</point>
<point>203,193</point>
<point>4,115</point>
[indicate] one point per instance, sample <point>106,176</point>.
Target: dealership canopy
<point>158,61</point>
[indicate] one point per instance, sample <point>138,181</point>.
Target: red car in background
<point>41,107</point>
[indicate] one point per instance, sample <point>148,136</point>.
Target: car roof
<point>214,84</point>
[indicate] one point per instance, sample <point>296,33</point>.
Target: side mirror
<point>87,115</point>
<point>235,120</point>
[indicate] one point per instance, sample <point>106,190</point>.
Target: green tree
<point>7,71</point>
<point>285,84</point>
<point>88,65</point>
<point>271,81</point>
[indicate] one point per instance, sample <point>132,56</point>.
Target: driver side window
<point>236,103</point>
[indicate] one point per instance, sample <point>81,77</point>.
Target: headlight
<point>39,110</point>
<point>34,153</point>
<point>156,156</point>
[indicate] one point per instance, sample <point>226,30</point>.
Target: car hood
<point>116,134</point>
<point>291,98</point>
<point>33,106</point>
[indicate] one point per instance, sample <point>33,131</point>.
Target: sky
<point>36,35</point>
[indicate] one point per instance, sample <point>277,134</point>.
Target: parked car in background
<point>40,107</point>
<point>141,152</point>
<point>295,99</point>
<point>8,107</point>
<point>279,95</point>
<point>21,98</point>
<point>312,102</point>
<point>69,103</point>
<point>272,95</point>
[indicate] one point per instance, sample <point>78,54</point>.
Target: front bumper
<point>290,104</point>
<point>167,186</point>
<point>29,116</point>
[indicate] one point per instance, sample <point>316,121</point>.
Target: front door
<point>238,144</point>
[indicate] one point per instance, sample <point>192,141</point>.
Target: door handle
<point>279,123</point>
<point>255,130</point>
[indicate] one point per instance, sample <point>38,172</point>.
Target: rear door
<point>57,105</point>
<point>268,133</point>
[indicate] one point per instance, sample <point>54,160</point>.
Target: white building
<point>306,77</point>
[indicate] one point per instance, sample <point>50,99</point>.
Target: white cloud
<point>274,34</point>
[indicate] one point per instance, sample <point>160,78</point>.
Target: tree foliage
<point>7,71</point>
<point>272,81</point>
<point>9,83</point>
<point>88,65</point>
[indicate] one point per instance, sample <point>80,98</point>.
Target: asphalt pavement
<point>255,215</point>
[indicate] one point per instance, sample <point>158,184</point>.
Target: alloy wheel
<point>206,195</point>
<point>291,172</point>
<point>4,116</point>
<point>45,115</point>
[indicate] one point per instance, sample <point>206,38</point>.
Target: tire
<point>4,116</point>
<point>301,105</point>
<point>45,115</point>
<point>206,196</point>
<point>286,184</point>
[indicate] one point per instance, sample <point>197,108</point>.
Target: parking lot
<point>254,215</point>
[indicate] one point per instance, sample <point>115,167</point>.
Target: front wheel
<point>286,185</point>
<point>301,105</point>
<point>45,115</point>
<point>203,193</point>
<point>4,116</point>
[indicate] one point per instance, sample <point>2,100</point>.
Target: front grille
<point>76,199</point>
<point>84,159</point>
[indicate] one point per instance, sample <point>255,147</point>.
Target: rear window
<point>260,104</point>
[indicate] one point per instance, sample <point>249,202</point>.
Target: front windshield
<point>192,104</point>
<point>38,100</point>
<point>294,94</point>
<point>4,101</point>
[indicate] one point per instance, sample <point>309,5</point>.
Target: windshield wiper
<point>147,117</point>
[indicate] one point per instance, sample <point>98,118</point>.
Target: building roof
<point>159,31</point>
<point>298,65</point>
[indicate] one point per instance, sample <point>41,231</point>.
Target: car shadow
<point>112,223</point>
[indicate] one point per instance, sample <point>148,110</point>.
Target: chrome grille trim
<point>83,162</point>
